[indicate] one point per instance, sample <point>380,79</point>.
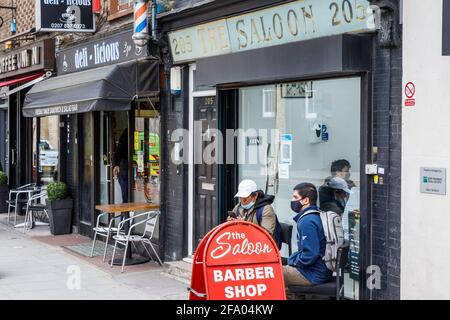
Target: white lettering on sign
<point>243,274</point>
<point>69,2</point>
<point>249,291</point>
<point>244,248</point>
<point>23,59</point>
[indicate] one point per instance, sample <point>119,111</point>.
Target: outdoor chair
<point>16,199</point>
<point>104,231</point>
<point>333,289</point>
<point>34,205</point>
<point>286,231</point>
<point>150,221</point>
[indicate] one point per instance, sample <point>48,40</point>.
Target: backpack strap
<point>259,214</point>
<point>309,212</point>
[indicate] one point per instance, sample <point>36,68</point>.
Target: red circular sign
<point>410,90</point>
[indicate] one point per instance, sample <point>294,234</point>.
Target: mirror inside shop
<point>305,132</point>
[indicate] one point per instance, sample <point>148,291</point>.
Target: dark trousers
<point>123,181</point>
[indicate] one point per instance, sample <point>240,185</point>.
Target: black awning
<point>110,88</point>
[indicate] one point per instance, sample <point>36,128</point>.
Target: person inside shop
<point>252,200</point>
<point>340,193</point>
<point>341,169</point>
<point>306,267</point>
<point>120,164</point>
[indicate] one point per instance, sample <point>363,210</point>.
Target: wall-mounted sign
<point>410,94</point>
<point>38,56</point>
<point>105,51</point>
<point>65,15</point>
<point>291,22</point>
<point>433,180</point>
<point>446,28</point>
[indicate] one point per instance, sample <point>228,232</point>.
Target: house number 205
<point>347,11</point>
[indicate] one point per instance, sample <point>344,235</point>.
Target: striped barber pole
<point>140,17</point>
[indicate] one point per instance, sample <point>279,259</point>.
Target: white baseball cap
<point>246,188</point>
<point>339,184</point>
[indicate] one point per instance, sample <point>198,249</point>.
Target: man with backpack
<point>307,266</point>
<point>256,207</point>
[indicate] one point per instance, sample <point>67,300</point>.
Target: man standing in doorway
<point>120,164</point>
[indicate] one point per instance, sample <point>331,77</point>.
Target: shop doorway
<point>206,169</point>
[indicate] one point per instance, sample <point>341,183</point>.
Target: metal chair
<point>14,198</point>
<point>150,221</point>
<point>34,204</point>
<point>333,289</point>
<point>104,231</point>
<point>286,230</point>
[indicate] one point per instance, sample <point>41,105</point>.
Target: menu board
<point>354,232</point>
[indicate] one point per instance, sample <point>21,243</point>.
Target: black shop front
<point>106,102</point>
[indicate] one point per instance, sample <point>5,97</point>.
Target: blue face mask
<point>248,206</point>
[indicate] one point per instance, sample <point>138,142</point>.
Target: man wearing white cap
<point>252,201</point>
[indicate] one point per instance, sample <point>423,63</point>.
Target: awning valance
<point>109,88</point>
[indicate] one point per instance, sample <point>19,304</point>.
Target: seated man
<point>339,193</point>
<point>252,199</point>
<point>339,169</point>
<point>306,267</point>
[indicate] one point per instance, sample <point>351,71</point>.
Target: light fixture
<point>13,8</point>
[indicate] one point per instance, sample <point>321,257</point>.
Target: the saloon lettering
<point>245,247</point>
<point>294,21</point>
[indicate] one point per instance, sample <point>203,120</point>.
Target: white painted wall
<point>425,244</point>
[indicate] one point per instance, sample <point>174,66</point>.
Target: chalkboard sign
<point>354,219</point>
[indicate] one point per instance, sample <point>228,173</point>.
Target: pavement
<point>31,269</point>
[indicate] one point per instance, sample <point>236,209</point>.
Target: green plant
<point>57,191</point>
<point>3,178</point>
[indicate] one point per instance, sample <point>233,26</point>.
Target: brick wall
<point>386,202</point>
<point>25,16</point>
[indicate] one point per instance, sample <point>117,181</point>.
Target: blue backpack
<point>278,233</point>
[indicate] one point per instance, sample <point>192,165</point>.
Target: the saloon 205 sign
<point>65,15</point>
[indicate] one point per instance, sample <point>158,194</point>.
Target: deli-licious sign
<point>105,51</point>
<point>65,15</point>
<point>240,262</point>
<point>291,22</point>
<point>38,56</point>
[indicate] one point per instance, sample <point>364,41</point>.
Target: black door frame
<point>229,106</point>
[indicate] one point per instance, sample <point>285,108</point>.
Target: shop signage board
<point>354,219</point>
<point>295,21</point>
<point>237,260</point>
<point>64,16</point>
<point>109,50</point>
<point>433,181</point>
<point>26,59</point>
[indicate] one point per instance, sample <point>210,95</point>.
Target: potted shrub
<point>4,192</point>
<point>59,208</point>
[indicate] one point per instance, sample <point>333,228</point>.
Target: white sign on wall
<point>433,180</point>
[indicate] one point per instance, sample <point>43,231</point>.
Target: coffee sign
<point>38,56</point>
<point>65,15</point>
<point>105,51</point>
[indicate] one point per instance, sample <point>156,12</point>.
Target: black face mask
<point>296,206</point>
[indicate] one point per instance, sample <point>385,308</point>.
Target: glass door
<point>304,132</point>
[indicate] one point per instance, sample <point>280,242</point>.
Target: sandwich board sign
<point>237,260</point>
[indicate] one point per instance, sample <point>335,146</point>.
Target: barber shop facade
<point>306,84</point>
<point>105,99</point>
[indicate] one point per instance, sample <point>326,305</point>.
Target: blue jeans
<point>123,181</point>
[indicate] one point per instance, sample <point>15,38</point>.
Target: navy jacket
<point>311,248</point>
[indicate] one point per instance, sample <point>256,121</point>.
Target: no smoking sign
<point>410,94</point>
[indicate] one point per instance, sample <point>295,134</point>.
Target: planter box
<point>60,214</point>
<point>4,195</point>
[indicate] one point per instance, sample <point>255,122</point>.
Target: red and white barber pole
<point>140,36</point>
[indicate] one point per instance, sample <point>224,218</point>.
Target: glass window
<point>293,133</point>
<point>47,131</point>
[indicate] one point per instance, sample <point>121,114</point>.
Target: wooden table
<point>125,209</point>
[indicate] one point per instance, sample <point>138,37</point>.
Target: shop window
<point>292,133</point>
<point>119,8</point>
<point>45,149</point>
